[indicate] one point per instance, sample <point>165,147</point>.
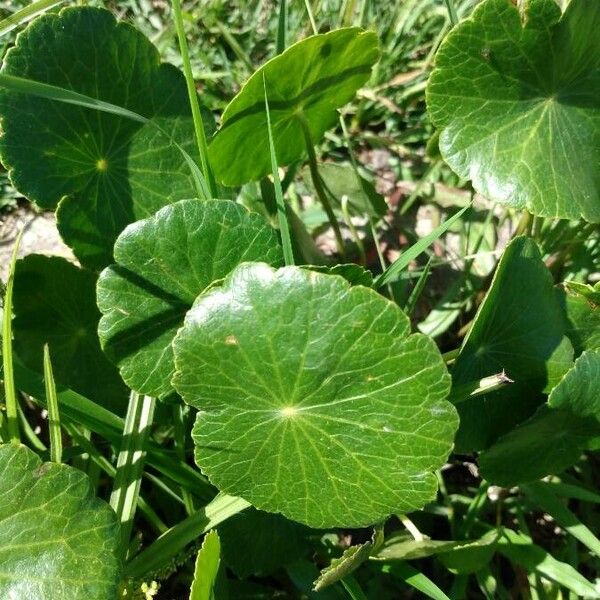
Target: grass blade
<point>281,26</point>
<point>542,497</point>
<point>284,226</point>
<point>193,95</point>
<point>418,289</point>
<point>10,392</point>
<point>353,588</point>
<point>392,273</point>
<point>53,92</point>
<point>26,14</point>
<point>178,537</point>
<point>417,580</point>
<point>130,463</point>
<point>53,414</point>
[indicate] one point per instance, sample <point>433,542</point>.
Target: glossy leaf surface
<point>519,329</point>
<point>56,539</point>
<point>516,98</point>
<point>312,78</point>
<point>314,400</point>
<point>111,170</point>
<point>556,436</point>
<point>163,263</point>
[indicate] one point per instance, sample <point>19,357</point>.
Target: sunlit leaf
<point>314,400</point>
<point>163,263</point>
<point>515,94</point>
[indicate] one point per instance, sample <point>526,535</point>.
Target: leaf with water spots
<point>314,400</point>
<point>515,94</point>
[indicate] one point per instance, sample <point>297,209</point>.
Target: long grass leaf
<point>281,26</point>
<point>178,537</point>
<point>284,226</point>
<point>417,580</point>
<point>10,392</point>
<point>53,414</point>
<point>53,92</point>
<point>207,566</point>
<point>542,497</point>
<point>392,273</point>
<point>193,96</point>
<point>26,14</point>
<point>130,462</point>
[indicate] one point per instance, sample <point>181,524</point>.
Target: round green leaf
<point>583,316</point>
<point>312,78</point>
<point>55,303</point>
<point>556,436</point>
<point>163,263</point>
<point>111,170</point>
<point>314,399</point>
<point>519,329</point>
<point>516,98</point>
<point>56,539</point>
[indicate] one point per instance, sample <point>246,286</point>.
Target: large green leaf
<point>163,263</point>
<point>56,539</point>
<point>55,303</point>
<point>556,436</point>
<point>314,399</point>
<point>111,170</point>
<point>309,80</point>
<point>519,329</point>
<point>515,95</point>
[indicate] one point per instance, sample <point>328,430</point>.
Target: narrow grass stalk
<point>28,434</point>
<point>178,537</point>
<point>394,270</point>
<point>284,226</point>
<point>53,414</point>
<point>353,231</point>
<point>130,463</point>
<point>10,392</point>
<point>452,14</point>
<point>353,589</point>
<point>318,184</point>
<point>179,438</point>
<point>26,14</point>
<point>193,95</point>
<point>311,17</point>
<point>281,26</point>
<point>418,289</point>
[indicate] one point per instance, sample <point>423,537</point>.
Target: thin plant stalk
<point>284,226</point>
<point>452,14</point>
<point>193,96</point>
<point>318,184</point>
<point>53,414</point>
<point>311,17</point>
<point>353,231</point>
<point>130,462</point>
<point>179,438</point>
<point>26,14</point>
<point>281,27</point>
<point>10,392</point>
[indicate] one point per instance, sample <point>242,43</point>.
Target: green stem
<point>284,227</point>
<point>452,12</point>
<point>178,537</point>
<point>179,426</point>
<point>318,184</point>
<point>281,26</point>
<point>311,17</point>
<point>130,463</point>
<point>53,414</point>
<point>10,393</point>
<point>193,96</point>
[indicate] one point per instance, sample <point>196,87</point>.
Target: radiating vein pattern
<point>517,99</point>
<point>314,400</point>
